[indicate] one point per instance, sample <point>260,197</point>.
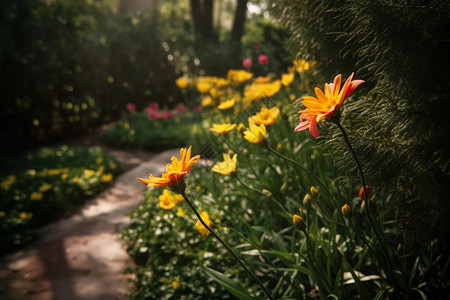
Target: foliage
<point>399,48</point>
<point>39,186</point>
<point>67,66</point>
<point>139,131</point>
<point>286,209</point>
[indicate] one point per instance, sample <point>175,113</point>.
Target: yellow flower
<point>168,200</point>
<point>2,214</point>
<point>112,165</point>
<point>25,216</point>
<point>107,177</point>
<point>241,127</point>
<point>227,167</point>
<point>45,187</point>
<point>203,86</point>
<point>126,125</point>
<point>180,212</point>
<point>266,116</point>
<point>8,182</point>
<point>215,93</point>
<point>239,76</point>
<point>262,79</point>
<point>64,176</point>
<point>36,196</point>
<point>207,101</point>
<point>75,179</point>
<point>287,79</point>
<point>175,172</point>
<point>302,65</point>
<point>257,91</point>
<point>326,104</point>
<point>181,82</point>
<point>88,173</point>
<point>227,104</point>
<point>175,284</point>
<point>99,160</point>
<point>222,128</point>
<point>255,134</point>
<point>299,223</point>
<point>202,229</point>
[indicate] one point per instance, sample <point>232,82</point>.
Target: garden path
<point>83,257</point>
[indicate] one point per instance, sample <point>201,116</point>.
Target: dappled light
<point>235,149</point>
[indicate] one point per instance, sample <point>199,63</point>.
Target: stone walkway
<point>82,257</point>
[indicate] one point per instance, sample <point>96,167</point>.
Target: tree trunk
<point>239,20</point>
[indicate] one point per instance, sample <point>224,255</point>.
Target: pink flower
<point>257,46</point>
<point>247,62</point>
<point>168,115</point>
<point>131,107</point>
<point>197,108</point>
<point>181,108</point>
<point>155,115</point>
<point>153,106</point>
<point>263,59</point>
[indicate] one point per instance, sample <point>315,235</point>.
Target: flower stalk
<point>227,247</point>
<point>369,216</point>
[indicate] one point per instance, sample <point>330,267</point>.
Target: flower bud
<point>299,223</point>
<point>266,193</point>
<point>346,211</point>
<point>369,193</point>
<point>307,201</point>
<point>314,192</point>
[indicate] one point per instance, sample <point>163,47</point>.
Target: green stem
<point>227,247</point>
<point>312,175</point>
<point>258,191</point>
<point>366,202</point>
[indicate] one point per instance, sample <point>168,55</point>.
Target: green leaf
<point>232,286</point>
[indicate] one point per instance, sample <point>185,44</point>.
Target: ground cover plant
<point>42,185</point>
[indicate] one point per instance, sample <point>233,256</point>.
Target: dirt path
<point>82,257</point>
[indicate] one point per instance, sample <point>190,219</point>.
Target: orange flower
<point>175,172</point>
<point>326,104</point>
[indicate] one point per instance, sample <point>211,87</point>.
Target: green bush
<point>138,131</point>
<point>399,48</point>
<point>68,66</point>
<point>37,187</point>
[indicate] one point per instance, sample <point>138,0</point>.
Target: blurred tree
<point>207,42</point>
